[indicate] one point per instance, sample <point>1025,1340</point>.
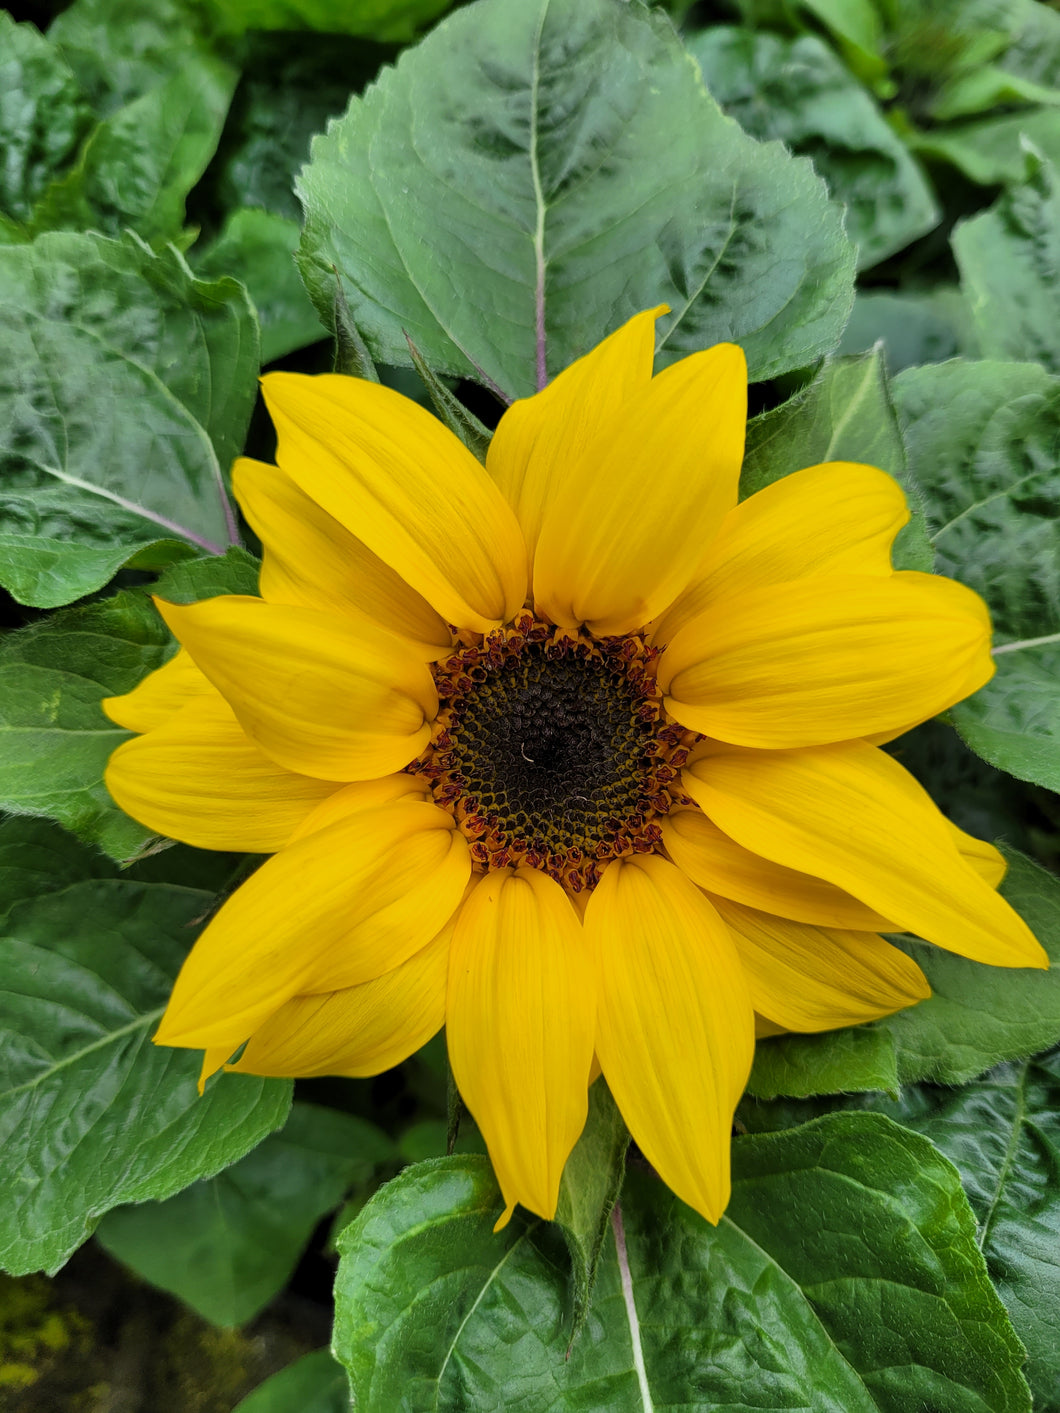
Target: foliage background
<point>863,195</point>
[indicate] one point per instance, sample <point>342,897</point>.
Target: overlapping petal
<point>540,437</point>
<point>337,908</point>
<point>675,1033</point>
<point>319,694</point>
<point>200,779</point>
<point>363,795</point>
<point>720,865</point>
<point>817,978</point>
<point>851,814</point>
<point>836,518</point>
<point>521,1013</point>
<point>827,659</point>
<point>360,1030</point>
<point>628,523</point>
<point>310,559</point>
<point>160,695</point>
<point>407,488</point>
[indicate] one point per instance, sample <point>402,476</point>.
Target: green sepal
<point>464,424</point>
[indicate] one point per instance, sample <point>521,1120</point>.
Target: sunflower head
<point>572,754</point>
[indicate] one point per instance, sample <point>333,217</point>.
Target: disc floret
<point>551,749</point>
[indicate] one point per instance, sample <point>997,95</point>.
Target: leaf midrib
<point>140,1023</point>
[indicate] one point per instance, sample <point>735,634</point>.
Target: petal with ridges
<point>520,1018</point>
<point>539,437</point>
<point>319,694</point>
<point>853,815</point>
<point>827,659</point>
<point>817,978</point>
<point>717,863</point>
<point>675,1033</point>
<point>339,907</point>
<point>836,518</point>
<point>200,779</point>
<point>310,559</point>
<point>160,695</point>
<point>628,524</point>
<point>360,1030</point>
<point>363,795</point>
<point>406,487</point>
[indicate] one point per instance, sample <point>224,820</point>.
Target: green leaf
<point>844,415</point>
<point>228,1244</point>
<point>291,85</point>
<point>1033,56</point>
<point>975,1017</point>
<point>127,386</point>
<point>978,1015</point>
<point>234,572</point>
<point>258,248</point>
<point>589,1188</point>
<point>138,166</point>
<point>799,91</point>
<point>916,328</point>
<point>374,19</point>
<point>450,410</point>
<point>1003,1134</point>
<point>991,151</point>
<point>54,737</point>
<point>841,1061</point>
<point>563,161</point>
<point>982,441</point>
<point>1009,258</point>
<point>42,117</point>
<point>845,1277</point>
<point>37,858</point>
<point>121,48</point>
<point>312,1384</point>
<point>91,1114</point>
<point>855,25</point>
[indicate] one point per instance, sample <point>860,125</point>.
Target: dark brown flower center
<point>550,749</point>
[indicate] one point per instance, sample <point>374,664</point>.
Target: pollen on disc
<point>551,750</point>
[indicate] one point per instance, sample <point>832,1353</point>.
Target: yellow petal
<point>212,1061</point>
<point>360,1030</point>
<point>988,862</point>
<point>363,795</point>
<point>852,815</point>
<point>675,1033</point>
<point>720,865</point>
<point>826,659</point>
<point>818,978</point>
<point>319,694</point>
<point>836,518</point>
<point>765,1029</point>
<point>160,695</point>
<point>336,908</point>
<point>519,1025</point>
<point>540,437</point>
<point>200,779</point>
<point>406,487</point>
<point>628,524</point>
<point>310,559</point>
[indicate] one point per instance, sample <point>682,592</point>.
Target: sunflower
<point>570,753</point>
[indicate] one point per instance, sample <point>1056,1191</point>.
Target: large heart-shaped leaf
<point>91,1114</point>
<point>845,1278</point>
<point>126,387</point>
<point>534,173</point>
<point>982,441</point>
